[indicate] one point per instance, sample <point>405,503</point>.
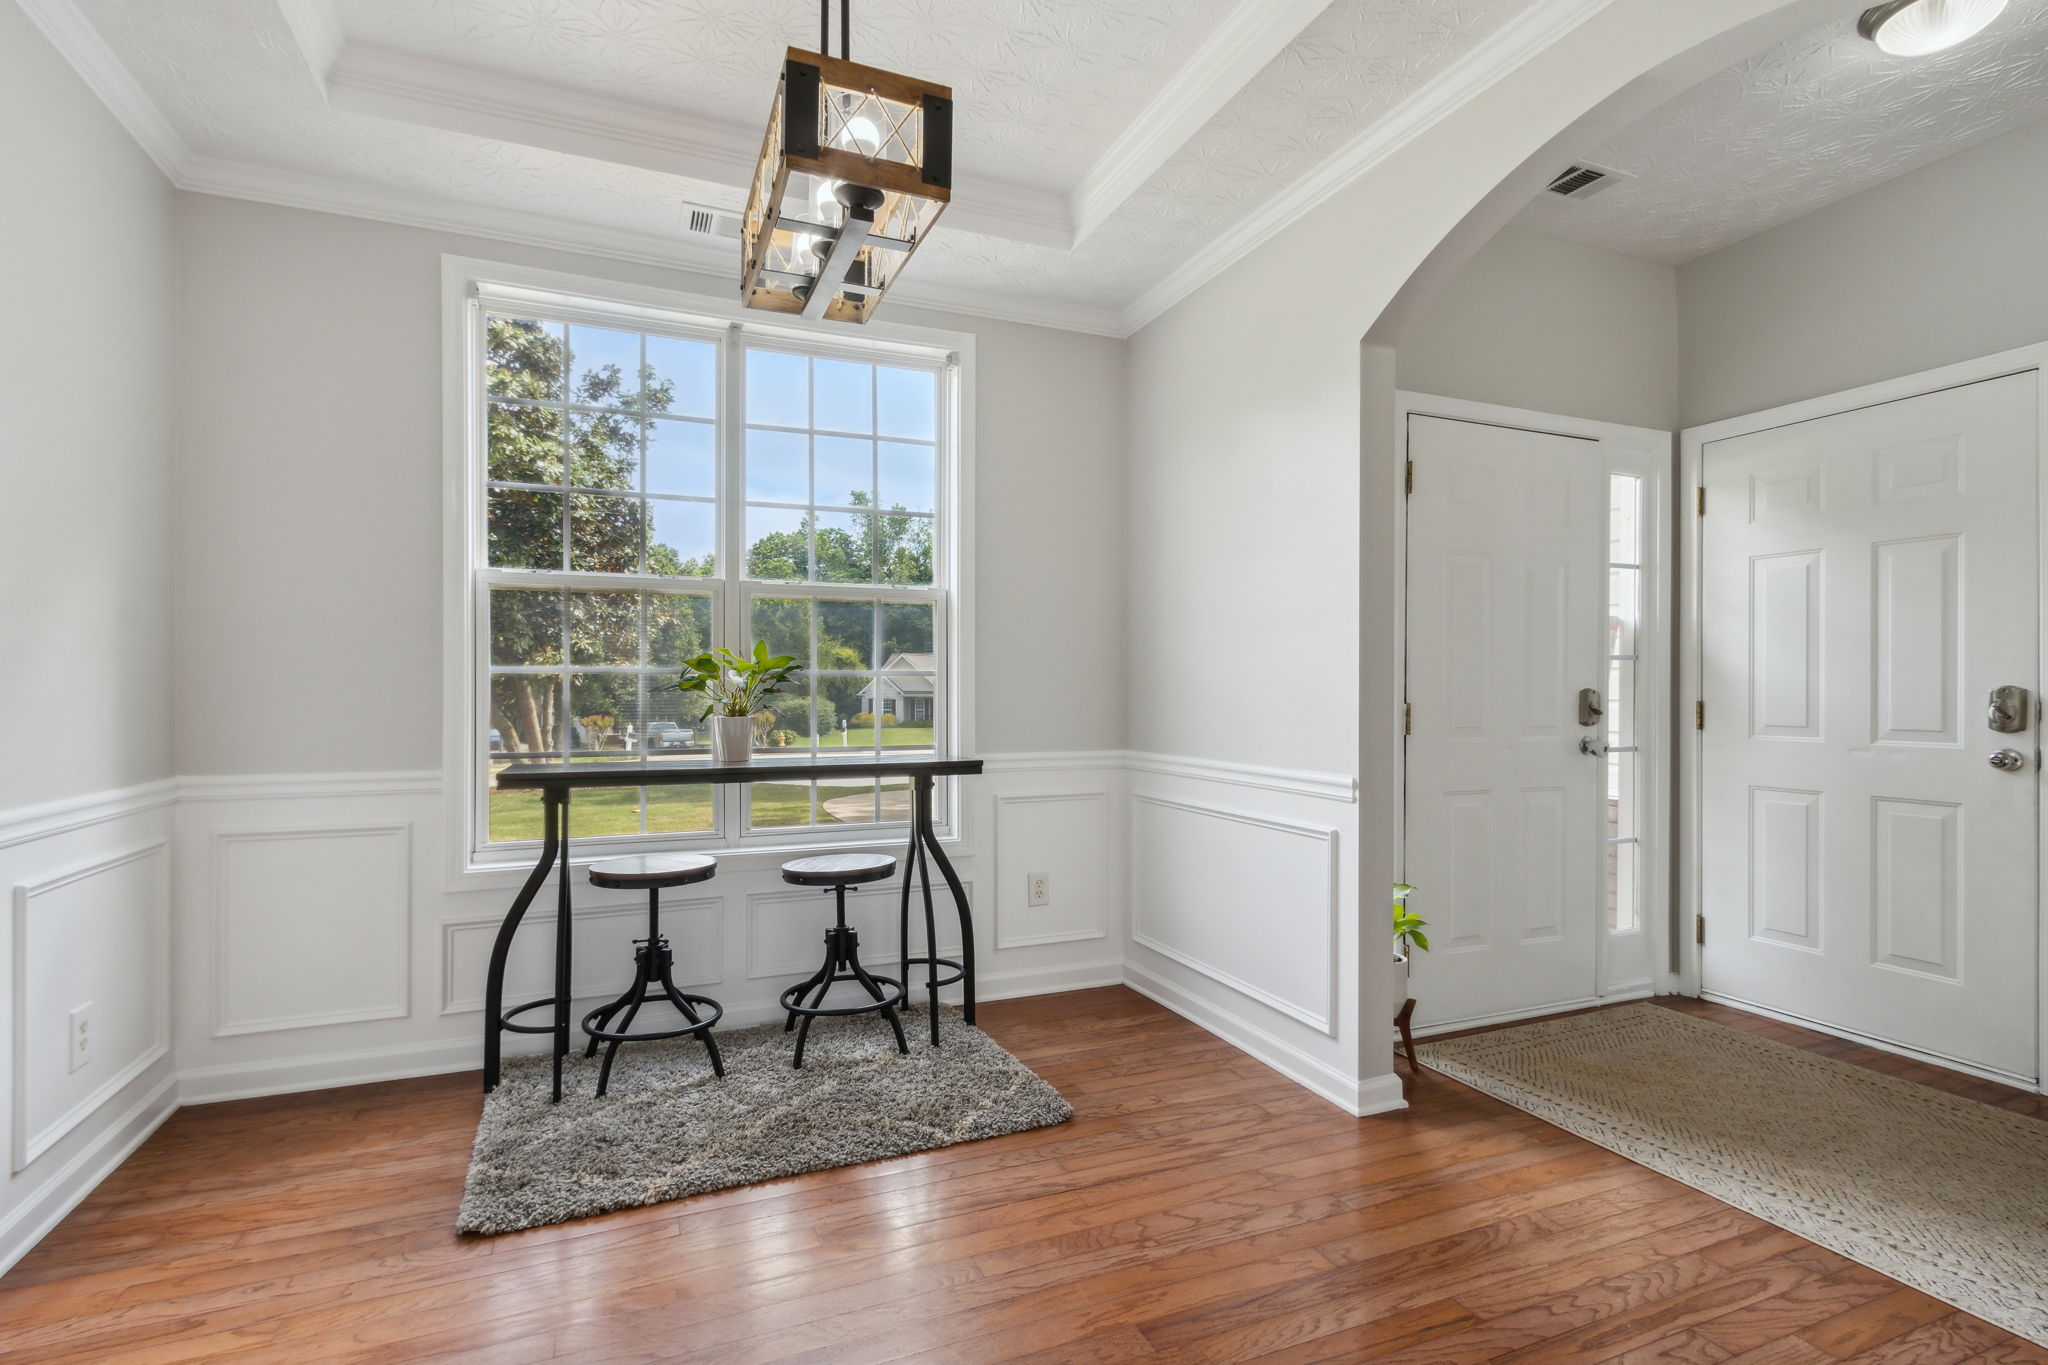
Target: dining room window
<point>653,484</point>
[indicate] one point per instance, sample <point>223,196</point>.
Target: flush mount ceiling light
<point>856,167</point>
<point>1914,28</point>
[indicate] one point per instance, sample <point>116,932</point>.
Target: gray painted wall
<point>85,382</point>
<point>309,499</point>
<point>1939,265</point>
<point>1536,322</point>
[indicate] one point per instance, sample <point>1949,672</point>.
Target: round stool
<point>652,961</point>
<point>835,872</point>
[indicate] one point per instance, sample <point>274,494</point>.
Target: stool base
<point>653,966</point>
<point>842,963</point>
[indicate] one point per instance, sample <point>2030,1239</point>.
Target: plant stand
<point>1404,1022</point>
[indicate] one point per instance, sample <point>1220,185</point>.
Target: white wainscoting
<point>1244,917</point>
<point>311,926</point>
<point>1246,900</point>
<point>89,914</point>
<point>347,873</point>
<point>322,942</point>
<point>1062,837</point>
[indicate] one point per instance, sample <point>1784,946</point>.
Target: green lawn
<point>895,737</point>
<point>616,810</point>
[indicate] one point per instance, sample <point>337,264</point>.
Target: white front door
<point>1866,580</point>
<point>1507,604</point>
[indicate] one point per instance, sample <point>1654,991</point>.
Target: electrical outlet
<point>79,1035</point>
<point>1040,889</point>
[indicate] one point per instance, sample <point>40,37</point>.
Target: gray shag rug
<point>1946,1194</point>
<point>668,1128</point>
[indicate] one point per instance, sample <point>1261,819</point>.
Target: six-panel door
<point>1866,580</point>
<point>1507,597</point>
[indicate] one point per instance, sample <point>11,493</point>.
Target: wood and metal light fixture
<point>856,167</point>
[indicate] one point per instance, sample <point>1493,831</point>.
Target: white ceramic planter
<point>732,739</point>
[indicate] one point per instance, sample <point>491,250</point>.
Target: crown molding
<point>407,208</point>
<point>316,28</point>
<point>1528,33</point>
<point>73,35</point>
<point>1256,32</point>
<point>366,79</point>
<point>318,36</point>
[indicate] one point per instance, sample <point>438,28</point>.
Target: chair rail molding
<point>47,820</point>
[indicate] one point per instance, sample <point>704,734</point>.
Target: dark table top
<point>664,772</point>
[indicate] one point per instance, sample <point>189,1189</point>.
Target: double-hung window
<point>648,484</point>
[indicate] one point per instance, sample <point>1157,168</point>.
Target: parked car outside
<point>666,734</point>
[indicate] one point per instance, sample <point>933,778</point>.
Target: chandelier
<point>856,167</point>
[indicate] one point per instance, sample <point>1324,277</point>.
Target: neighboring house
<point>904,690</point>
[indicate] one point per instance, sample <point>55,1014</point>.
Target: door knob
<point>2008,760</point>
<point>1587,746</point>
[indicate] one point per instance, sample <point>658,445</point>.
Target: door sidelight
<point>1590,708</point>
<point>2007,713</point>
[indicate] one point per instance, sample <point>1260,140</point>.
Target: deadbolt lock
<point>2007,712</point>
<point>1590,709</point>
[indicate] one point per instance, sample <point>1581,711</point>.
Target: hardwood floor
<point>1199,1208</point>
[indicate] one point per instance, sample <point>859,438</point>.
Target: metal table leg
<point>563,938</point>
<point>925,833</point>
<point>494,980</point>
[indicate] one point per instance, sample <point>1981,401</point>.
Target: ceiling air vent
<point>711,223</point>
<point>1583,179</point>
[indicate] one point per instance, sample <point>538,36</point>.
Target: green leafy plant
<point>1408,935</point>
<point>735,684</point>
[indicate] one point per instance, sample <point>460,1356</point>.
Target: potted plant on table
<point>733,687</point>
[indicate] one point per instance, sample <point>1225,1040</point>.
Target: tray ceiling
<point>1803,124</point>
<point>1105,150</point>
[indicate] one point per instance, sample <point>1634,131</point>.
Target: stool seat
<point>840,869</point>
<point>653,871</point>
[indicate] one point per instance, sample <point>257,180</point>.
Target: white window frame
<point>466,282</point>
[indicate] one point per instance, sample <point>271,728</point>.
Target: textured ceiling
<point>1800,125</point>
<point>1045,86</point>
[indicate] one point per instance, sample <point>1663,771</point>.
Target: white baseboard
<point>1371,1095</point>
<point>322,1071</point>
<point>284,1076</point>
<point>78,1177</point>
<point>1537,1012</point>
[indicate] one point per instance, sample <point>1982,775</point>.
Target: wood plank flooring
<point>1199,1208</point>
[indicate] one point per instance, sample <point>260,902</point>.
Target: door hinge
<point>1699,715</point>
<point>1700,501</point>
<point>1699,928</point>
<point>1407,718</point>
<point>1408,479</point>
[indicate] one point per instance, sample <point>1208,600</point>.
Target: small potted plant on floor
<point>1408,936</point>
<point>1408,940</point>
<point>733,687</point>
